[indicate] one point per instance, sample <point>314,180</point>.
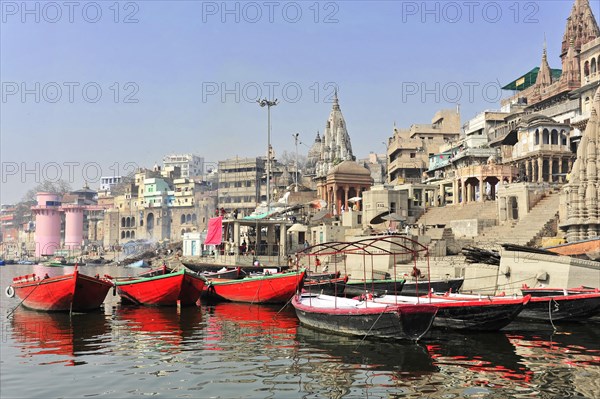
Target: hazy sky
<point>95,88</point>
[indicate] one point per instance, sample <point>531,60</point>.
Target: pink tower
<point>73,226</point>
<point>47,224</point>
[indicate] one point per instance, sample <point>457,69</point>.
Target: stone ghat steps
<point>527,229</point>
<point>448,213</point>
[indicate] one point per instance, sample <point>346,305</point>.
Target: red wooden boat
<point>71,292</point>
<point>547,291</point>
<point>267,288</point>
<point>162,287</point>
<point>570,307</point>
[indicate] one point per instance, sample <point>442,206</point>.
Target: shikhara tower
<point>583,190</point>
<point>335,144</point>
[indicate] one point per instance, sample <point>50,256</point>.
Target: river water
<point>231,350</point>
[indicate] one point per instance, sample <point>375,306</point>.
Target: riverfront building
<point>190,165</point>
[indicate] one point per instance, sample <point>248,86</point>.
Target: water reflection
<point>241,322</point>
<point>254,351</point>
<point>346,366</point>
<point>163,329</point>
<point>565,362</point>
<point>480,360</point>
<point>59,337</point>
<point>250,348</point>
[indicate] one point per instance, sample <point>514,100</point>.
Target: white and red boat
<point>553,308</point>
<point>364,318</point>
<point>471,314</point>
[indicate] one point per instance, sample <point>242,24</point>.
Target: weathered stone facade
<point>583,189</point>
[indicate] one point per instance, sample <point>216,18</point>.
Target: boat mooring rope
<point>31,292</point>
<point>373,325</point>
<point>550,312</point>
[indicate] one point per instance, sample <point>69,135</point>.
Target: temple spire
<point>581,27</point>
<point>336,103</point>
<point>544,77</point>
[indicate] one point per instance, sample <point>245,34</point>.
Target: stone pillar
<point>282,240</point>
<point>346,192</point>
<point>454,191</point>
<point>481,189</point>
<point>463,191</point>
<point>570,164</point>
<point>335,209</point>
<point>540,168</point>
<point>236,237</point>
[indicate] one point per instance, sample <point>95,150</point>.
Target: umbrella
<point>394,217</point>
<point>354,199</point>
<point>319,215</point>
<point>379,218</point>
<point>318,204</point>
<point>297,227</point>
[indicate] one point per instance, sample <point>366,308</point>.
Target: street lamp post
<point>387,148</point>
<point>264,102</point>
<point>295,136</point>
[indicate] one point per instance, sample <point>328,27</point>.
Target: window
<point>413,155</point>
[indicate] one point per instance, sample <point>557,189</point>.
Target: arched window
<point>128,222</point>
<point>123,222</point>
<point>586,69</point>
<point>127,234</point>
<point>122,234</point>
<point>150,221</point>
<point>188,218</point>
<point>593,68</point>
<point>545,137</point>
<point>563,137</point>
<point>537,137</point>
<point>194,218</point>
<point>182,219</point>
<point>554,137</point>
<point>132,234</point>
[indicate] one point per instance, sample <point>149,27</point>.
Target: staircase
<point>526,230</point>
<point>448,213</point>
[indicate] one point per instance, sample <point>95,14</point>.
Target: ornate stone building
<point>583,190</point>
<point>345,181</point>
<point>541,151</point>
<point>547,113</point>
<point>313,157</point>
<point>548,91</point>
<point>335,146</point>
